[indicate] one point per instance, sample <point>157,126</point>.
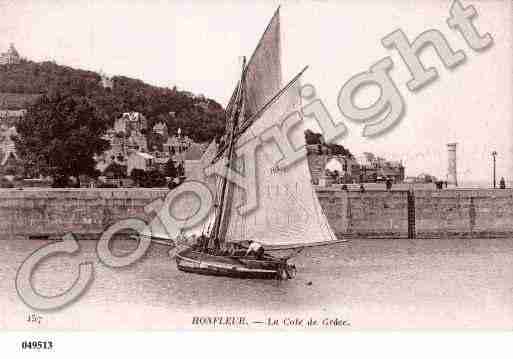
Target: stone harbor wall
<point>442,214</point>
<point>368,214</point>
<point>85,212</point>
<point>473,213</point>
<point>429,213</point>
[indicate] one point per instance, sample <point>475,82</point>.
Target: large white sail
<point>288,211</point>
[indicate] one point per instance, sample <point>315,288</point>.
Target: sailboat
<point>288,215</point>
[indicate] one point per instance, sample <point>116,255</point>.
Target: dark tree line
<point>313,138</point>
<point>59,137</point>
<point>201,119</point>
<point>63,128</point>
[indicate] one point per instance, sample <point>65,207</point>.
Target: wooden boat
<point>288,213</point>
<point>238,266</point>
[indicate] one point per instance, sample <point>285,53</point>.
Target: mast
<point>236,112</point>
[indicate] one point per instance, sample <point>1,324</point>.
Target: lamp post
<point>494,154</point>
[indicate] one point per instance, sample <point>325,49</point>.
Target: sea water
<point>365,283</point>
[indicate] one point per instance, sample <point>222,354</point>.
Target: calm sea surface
<point>371,283</point>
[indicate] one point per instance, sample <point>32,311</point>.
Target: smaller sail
<point>263,77</point>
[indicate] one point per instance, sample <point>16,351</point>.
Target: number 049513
<point>37,345</point>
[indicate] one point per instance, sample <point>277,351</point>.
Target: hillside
<point>199,118</point>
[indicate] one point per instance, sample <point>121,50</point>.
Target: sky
<point>197,46</point>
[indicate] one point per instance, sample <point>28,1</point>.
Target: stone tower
<point>452,174</point>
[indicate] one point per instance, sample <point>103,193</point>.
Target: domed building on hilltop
<point>10,57</point>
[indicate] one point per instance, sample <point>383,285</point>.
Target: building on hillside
<point>106,81</point>
<point>185,152</point>
<point>425,178</point>
<point>340,169</point>
<point>161,129</point>
<point>10,165</point>
<point>17,101</point>
<point>193,165</point>
<point>131,121</point>
<point>377,169</point>
<point>129,148</point>
<point>140,160</point>
<point>136,141</point>
<point>11,118</point>
<point>11,57</point>
<point>127,136</point>
<point>347,169</point>
<point>334,165</point>
<point>393,170</point>
<point>343,169</point>
<point>160,160</point>
<point>177,145</point>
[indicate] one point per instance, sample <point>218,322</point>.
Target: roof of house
<point>334,165</point>
<point>144,155</point>
<point>159,126</point>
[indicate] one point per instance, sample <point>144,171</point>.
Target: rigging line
<point>232,99</point>
<point>259,114</point>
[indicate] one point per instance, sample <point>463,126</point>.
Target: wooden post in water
<point>411,214</point>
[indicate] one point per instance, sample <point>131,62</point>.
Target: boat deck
<point>190,260</point>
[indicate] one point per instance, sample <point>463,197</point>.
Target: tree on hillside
<point>313,138</point>
<point>170,169</point>
<point>199,118</point>
<point>339,150</point>
<point>155,179</point>
<point>59,137</point>
<point>139,177</point>
<point>148,179</point>
<point>180,170</point>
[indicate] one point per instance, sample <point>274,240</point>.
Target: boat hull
<point>192,261</point>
